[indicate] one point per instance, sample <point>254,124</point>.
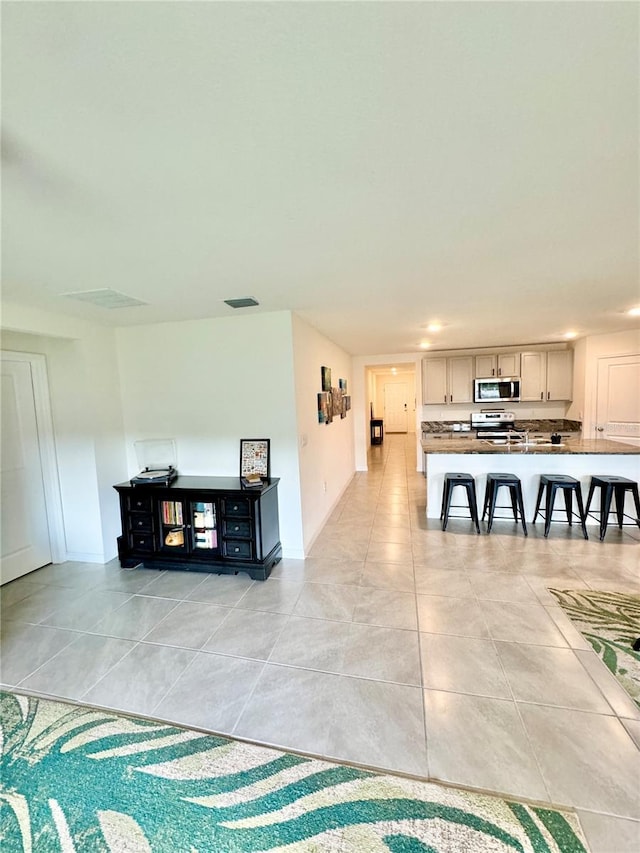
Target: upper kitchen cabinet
<point>498,364</point>
<point>546,376</point>
<point>447,380</point>
<point>434,380</point>
<point>560,375</point>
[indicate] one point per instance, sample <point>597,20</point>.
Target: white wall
<point>326,450</point>
<point>523,411</point>
<point>87,422</point>
<point>209,383</point>
<point>595,348</point>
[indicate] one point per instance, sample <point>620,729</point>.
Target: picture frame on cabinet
<point>255,457</point>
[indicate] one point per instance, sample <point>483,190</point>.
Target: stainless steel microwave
<point>494,389</point>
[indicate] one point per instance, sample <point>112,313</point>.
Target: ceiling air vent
<point>245,302</point>
<point>105,298</point>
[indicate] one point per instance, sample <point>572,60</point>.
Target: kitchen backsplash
<point>539,425</point>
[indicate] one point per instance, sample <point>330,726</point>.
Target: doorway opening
<point>391,391</point>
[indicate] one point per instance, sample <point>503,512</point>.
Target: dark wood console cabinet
<point>201,524</point>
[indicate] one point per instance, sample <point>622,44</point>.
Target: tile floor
<point>393,645</point>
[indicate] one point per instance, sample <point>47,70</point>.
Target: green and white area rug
<point>610,621</point>
<point>80,779</point>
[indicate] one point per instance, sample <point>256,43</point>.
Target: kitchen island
<point>579,458</point>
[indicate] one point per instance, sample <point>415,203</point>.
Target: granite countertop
<point>568,446</point>
<point>547,425</point>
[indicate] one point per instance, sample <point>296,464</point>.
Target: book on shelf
<point>251,480</point>
<point>206,539</point>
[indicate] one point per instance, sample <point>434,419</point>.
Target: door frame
<point>46,442</point>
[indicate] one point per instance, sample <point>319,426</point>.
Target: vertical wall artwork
<point>323,407</point>
<point>332,402</point>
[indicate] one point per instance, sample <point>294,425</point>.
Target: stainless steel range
<point>495,424</point>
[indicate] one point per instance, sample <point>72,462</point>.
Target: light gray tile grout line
<point>136,643</point>
<point>420,668</point>
<point>176,679</point>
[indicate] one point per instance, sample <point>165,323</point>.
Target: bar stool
<point>513,483</point>
<point>611,486</point>
<point>568,485</point>
<point>452,480</point>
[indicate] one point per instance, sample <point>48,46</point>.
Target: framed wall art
<point>323,407</point>
<point>326,378</point>
<point>255,457</point>
<point>336,399</point>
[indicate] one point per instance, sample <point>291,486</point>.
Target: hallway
<point>393,645</point>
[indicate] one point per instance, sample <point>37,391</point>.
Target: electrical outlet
<point>324,486</point>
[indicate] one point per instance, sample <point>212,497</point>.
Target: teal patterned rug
<point>610,621</point>
<point>85,780</point>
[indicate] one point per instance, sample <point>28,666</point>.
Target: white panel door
<point>618,399</point>
<point>25,543</point>
<point>395,406</point>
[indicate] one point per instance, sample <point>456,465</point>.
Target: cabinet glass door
<point>204,526</point>
<point>172,526</point>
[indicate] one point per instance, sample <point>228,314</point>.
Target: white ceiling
<point>371,166</point>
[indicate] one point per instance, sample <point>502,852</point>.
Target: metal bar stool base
<point>511,482</point>
<point>551,483</point>
<point>613,487</point>
<point>451,480</point>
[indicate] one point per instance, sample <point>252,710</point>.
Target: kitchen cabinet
<point>559,375</point>
<point>447,380</point>
<point>546,376</point>
<point>202,524</point>
<point>497,364</point>
<point>434,380</point>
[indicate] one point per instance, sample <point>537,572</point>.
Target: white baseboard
<point>85,557</point>
<point>293,554</point>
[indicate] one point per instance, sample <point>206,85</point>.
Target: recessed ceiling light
<point>434,327</point>
<point>425,344</point>
<point>571,334</point>
<point>634,312</point>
